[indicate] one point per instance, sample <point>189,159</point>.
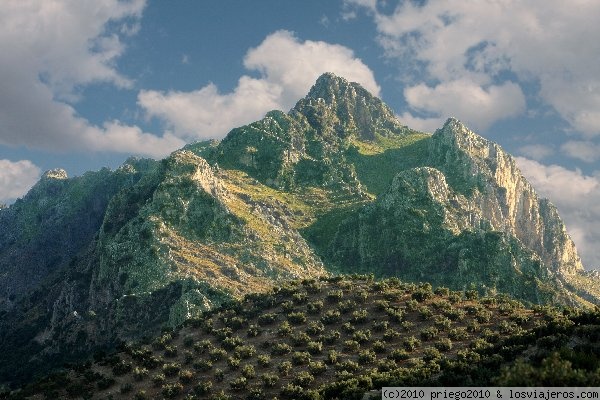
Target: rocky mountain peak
<point>335,105</point>
<point>57,173</point>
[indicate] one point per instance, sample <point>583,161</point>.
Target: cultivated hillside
<point>338,338</point>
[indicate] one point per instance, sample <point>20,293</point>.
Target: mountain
<point>336,185</point>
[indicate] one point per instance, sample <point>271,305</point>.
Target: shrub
<point>390,334</point>
<point>315,328</point>
<point>431,354</point>
<point>284,368</point>
<point>281,349</point>
<point>425,313</point>
<point>346,306</point>
<point>362,336</point>
<point>471,294</point>
<point>379,347</point>
<point>230,343</point>
<point>253,331</point>
<point>347,327</point>
<point>233,363</point>
<point>442,291</point>
<point>360,316</point>
<point>380,326</point>
<point>351,345</point>
<point>287,306</point>
<point>203,387</point>
<point>398,355</point>
<point>317,367</point>
<point>332,337</point>
<point>455,297</point>
<point>300,357</point>
<point>411,343</point>
<point>284,329</point>
<point>303,379</point>
<point>330,317</point>
<point>429,333</point>
<point>203,365</point>
<point>171,369</point>
<point>361,296</point>
<point>422,294</point>
<point>202,346</point>
<point>332,357</point>
<point>348,365</point>
<point>300,339</point>
<point>386,365</point>
<point>394,314</point>
<point>267,319</point>
<point>455,314</point>
<point>240,383</point>
<point>264,360</point>
<point>245,352</point>
<point>219,375</point>
<point>269,379</point>
<point>381,305</point>
<point>442,323</point>
<point>366,357</point>
<point>458,333</point>
<point>335,295</point>
<point>186,376</point>
<point>412,305</point>
<point>296,318</point>
<point>314,347</point>
<point>443,344</point>
<point>248,371</point>
<point>139,374</point>
<point>483,316</point>
<point>291,391</point>
<point>158,379</point>
<point>314,307</point>
<point>217,354</point>
<point>140,395</point>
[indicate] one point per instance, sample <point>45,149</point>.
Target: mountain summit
<point>335,185</point>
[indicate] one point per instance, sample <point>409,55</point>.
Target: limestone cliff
<point>502,196</point>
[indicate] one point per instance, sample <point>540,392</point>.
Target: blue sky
<point>87,83</point>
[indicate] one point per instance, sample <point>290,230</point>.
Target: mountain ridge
<point>337,184</point>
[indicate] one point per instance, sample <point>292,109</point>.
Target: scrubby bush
<point>269,379</point>
<point>284,368</point>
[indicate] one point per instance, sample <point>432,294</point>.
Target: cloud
<point>288,67</point>
<point>577,197</point>
<point>536,151</point>
<point>16,178</point>
<point>583,150</point>
<point>62,47</point>
<point>481,106</point>
<point>498,43</point>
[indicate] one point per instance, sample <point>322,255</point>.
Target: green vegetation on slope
<point>377,162</point>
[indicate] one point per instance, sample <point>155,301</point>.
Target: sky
<point>87,83</point>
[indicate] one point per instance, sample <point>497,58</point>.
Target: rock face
<point>502,195</point>
<point>336,184</point>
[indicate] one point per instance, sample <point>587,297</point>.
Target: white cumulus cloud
<point>577,197</point>
<point>503,44</point>
<point>50,50</point>
<point>16,178</point>
<point>584,150</point>
<point>288,67</point>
